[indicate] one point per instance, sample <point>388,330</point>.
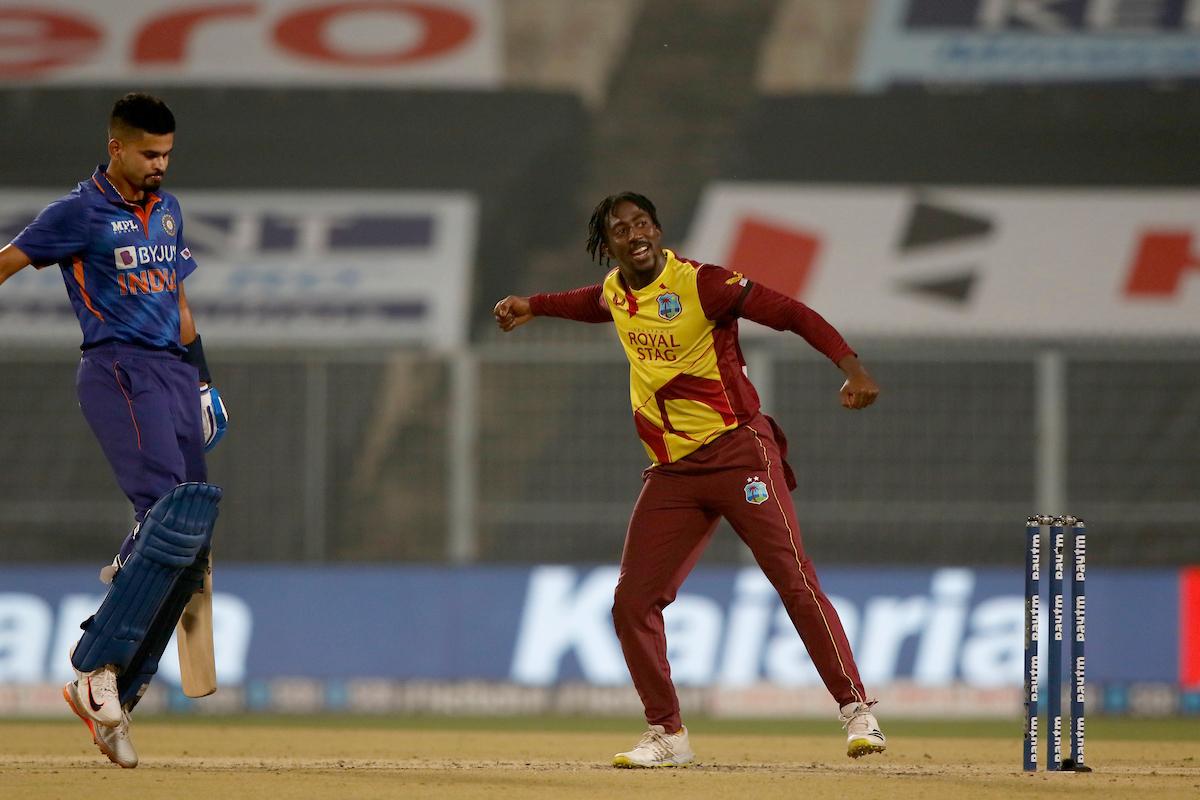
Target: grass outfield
<point>282,757</point>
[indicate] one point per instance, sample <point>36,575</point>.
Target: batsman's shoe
<point>95,696</point>
<point>863,736</point>
<point>657,748</point>
<point>113,741</point>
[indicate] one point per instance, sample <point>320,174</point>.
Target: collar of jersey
<point>110,193</point>
<point>652,287</point>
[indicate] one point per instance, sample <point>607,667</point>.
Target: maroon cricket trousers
<point>743,477</point>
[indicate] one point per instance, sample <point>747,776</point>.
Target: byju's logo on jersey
<point>154,280</point>
<point>668,306</point>
<point>756,491</point>
<point>135,256</point>
<point>125,257</point>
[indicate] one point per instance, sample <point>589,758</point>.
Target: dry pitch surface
<point>277,759</point>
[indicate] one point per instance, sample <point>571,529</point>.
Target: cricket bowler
<point>713,453</point>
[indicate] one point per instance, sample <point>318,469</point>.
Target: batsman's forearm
<point>194,355</point>
<point>187,324</point>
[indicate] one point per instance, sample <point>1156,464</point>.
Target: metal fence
<point>522,450</point>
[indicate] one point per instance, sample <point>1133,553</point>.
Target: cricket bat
<point>197,660</point>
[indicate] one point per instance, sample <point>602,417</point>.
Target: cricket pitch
<point>234,757</point>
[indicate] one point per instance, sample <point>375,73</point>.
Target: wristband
<point>194,355</point>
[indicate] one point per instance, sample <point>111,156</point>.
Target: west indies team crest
<point>756,491</point>
<point>168,223</point>
<point>669,306</point>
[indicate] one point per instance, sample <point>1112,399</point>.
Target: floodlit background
<point>997,202</point>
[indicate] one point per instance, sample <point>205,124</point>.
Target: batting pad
<point>133,680</point>
<point>175,531</point>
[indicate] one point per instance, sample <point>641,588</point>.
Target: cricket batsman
<point>146,392</point>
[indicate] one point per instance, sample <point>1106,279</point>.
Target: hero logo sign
<point>39,41</point>
<point>362,35</point>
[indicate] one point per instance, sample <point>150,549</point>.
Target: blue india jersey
<point>122,262</point>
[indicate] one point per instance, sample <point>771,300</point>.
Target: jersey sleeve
<point>768,307</point>
<point>725,294</point>
<point>59,231</point>
<point>722,291</point>
<point>585,304</point>
<point>185,264</point>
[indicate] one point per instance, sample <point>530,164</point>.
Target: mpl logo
<point>125,226</point>
<point>125,257</point>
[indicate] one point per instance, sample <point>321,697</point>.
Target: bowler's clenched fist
<point>859,391</point>
<point>512,311</point>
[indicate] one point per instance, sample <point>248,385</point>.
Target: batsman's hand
<point>512,311</point>
<point>213,416</point>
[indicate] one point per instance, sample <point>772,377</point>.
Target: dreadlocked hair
<point>596,225</point>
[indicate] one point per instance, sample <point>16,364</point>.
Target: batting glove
<point>213,416</point>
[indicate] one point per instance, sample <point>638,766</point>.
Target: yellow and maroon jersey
<point>687,378</point>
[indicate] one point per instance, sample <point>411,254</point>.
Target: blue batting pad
<point>134,679</point>
<point>175,531</point>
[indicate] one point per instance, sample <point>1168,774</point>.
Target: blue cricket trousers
<point>144,408</point>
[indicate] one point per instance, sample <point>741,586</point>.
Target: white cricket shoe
<point>96,696</point>
<point>863,736</point>
<point>113,741</point>
<point>657,748</point>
